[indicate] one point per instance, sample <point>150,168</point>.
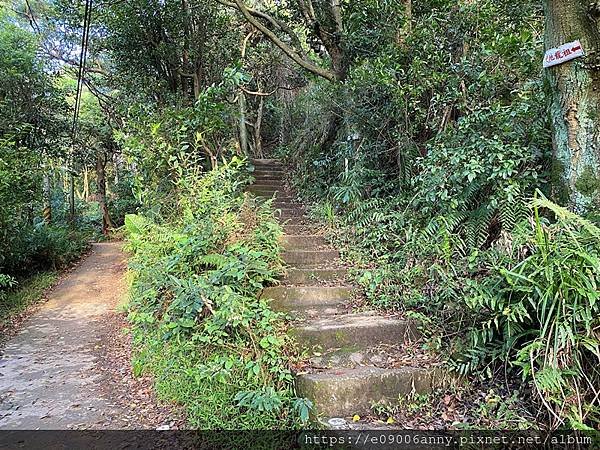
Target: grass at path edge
<point>28,292</point>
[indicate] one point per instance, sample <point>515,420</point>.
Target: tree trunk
<point>243,131</point>
<point>47,199</point>
<point>101,175</point>
<point>242,124</point>
<point>258,128</point>
<point>575,108</point>
<point>86,184</point>
<point>335,122</point>
<point>116,164</point>
<point>72,197</point>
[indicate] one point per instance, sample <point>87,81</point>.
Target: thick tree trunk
<point>575,108</point>
<point>101,176</point>
<point>335,122</point>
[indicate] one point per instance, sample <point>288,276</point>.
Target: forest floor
<point>69,364</point>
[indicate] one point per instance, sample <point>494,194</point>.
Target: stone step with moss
<point>354,332</point>
<point>289,213</point>
<point>312,276</point>
<point>302,241</point>
<point>310,258</point>
<point>345,392</point>
<point>348,371</point>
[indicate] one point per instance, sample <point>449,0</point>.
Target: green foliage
<point>424,160</point>
<point>448,126</point>
<point>123,201</point>
<point>41,246</point>
<point>181,138</point>
<point>529,302</point>
<point>32,130</point>
<point>542,313</point>
<point>433,196</point>
<point>212,344</point>
<point>16,297</point>
<point>152,43</point>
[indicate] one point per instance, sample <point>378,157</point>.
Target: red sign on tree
<point>562,54</point>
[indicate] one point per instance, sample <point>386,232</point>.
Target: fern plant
<point>543,316</point>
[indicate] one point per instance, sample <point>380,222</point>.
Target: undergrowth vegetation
<point>430,190</point>
<point>425,133</point>
<point>201,329</point>
<point>14,301</point>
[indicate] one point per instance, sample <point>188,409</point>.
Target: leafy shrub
<point>5,283</point>
<point>55,246</point>
<point>181,138</point>
<point>528,303</point>
<point>212,344</point>
<point>16,297</point>
<point>42,246</point>
<point>122,201</point>
<point>542,315</point>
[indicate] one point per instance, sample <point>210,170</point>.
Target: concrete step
<point>306,311</point>
<point>260,165</point>
<point>269,183</point>
<point>310,301</point>
<point>265,161</point>
<point>345,392</point>
<point>267,187</point>
<point>274,172</point>
<point>311,276</point>
<point>268,179</point>
<point>287,202</point>
<point>308,258</point>
<point>382,356</point>
<point>264,194</point>
<point>353,332</point>
<point>295,220</point>
<point>285,197</point>
<point>268,176</point>
<point>287,205</point>
<point>305,241</point>
<point>289,213</point>
<point>290,228</point>
<point>312,294</point>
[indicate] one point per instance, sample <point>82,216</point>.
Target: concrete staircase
<point>348,353</point>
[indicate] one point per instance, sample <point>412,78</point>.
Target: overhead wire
<point>85,39</point>
<point>82,63</point>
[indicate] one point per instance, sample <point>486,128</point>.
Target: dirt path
<point>68,367</point>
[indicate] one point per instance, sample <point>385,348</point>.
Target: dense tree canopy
<point>459,175</point>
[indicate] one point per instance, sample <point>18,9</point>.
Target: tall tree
<point>323,22</point>
<point>575,108</point>
<point>163,48</point>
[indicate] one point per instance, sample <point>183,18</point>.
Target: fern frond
<point>540,201</point>
<point>368,212</point>
<point>214,259</point>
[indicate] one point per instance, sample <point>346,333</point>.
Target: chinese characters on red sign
<point>562,54</point>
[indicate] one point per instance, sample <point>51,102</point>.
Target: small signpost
<point>562,54</point>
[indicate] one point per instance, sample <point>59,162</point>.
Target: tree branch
<point>336,12</point>
<point>259,94</point>
<point>287,49</point>
<point>308,10</point>
<point>54,54</point>
<point>276,23</point>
